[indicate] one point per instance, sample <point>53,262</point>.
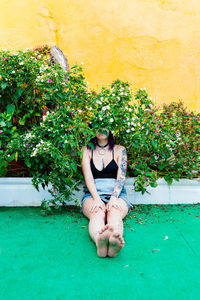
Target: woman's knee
<point>88,203</point>
<point>116,212</point>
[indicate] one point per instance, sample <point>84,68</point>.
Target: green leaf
<point>91,145</point>
<point>4,85</point>
<point>74,166</point>
<point>168,179</point>
<point>2,124</point>
<point>16,156</point>
<point>28,163</point>
<point>10,108</point>
<point>19,91</point>
<point>153,184</point>
<point>152,160</point>
<point>4,163</point>
<point>161,167</point>
<point>21,122</point>
<point>19,83</point>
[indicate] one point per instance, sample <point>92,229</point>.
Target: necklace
<point>102,151</point>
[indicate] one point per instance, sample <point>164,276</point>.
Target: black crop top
<point>110,171</point>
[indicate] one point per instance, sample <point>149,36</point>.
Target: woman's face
<point>100,135</point>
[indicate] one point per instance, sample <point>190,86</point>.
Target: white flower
<point>111,120</point>
<point>56,74</point>
<point>121,93</point>
<point>125,94</point>
<point>113,95</point>
<point>28,135</point>
<point>127,119</point>
<point>132,128</point>
<point>130,109</point>
<point>42,80</point>
<point>21,63</point>
<point>142,127</point>
<point>129,123</point>
<point>128,130</point>
<point>147,132</point>
<point>56,90</point>
<point>101,98</point>
<point>118,98</point>
<point>8,155</point>
<point>13,72</point>
<point>62,125</point>
<point>90,108</point>
<point>99,102</point>
<point>104,108</point>
<point>66,141</point>
<point>82,63</point>
<point>100,118</point>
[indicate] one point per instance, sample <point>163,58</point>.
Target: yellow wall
<point>151,43</point>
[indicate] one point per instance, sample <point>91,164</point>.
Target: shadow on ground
<point>53,257</point>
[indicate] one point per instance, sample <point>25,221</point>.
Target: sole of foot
<point>102,240</point>
<point>116,243</point>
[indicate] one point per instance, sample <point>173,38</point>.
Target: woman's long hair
<point>94,141</point>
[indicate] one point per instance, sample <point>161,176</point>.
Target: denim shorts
<point>105,188</point>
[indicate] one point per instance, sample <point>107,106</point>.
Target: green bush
<point>52,126</point>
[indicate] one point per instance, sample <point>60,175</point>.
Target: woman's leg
<point>98,231</point>
<point>96,219</point>
<point>115,219</point>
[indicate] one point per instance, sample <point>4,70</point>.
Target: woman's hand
<point>113,203</point>
<point>96,204</point>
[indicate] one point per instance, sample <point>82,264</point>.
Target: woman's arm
<point>89,179</point>
<point>121,174</point>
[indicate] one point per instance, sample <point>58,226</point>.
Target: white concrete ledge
<point>19,191</point>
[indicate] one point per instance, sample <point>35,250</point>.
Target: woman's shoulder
<point>119,148</point>
<point>86,152</point>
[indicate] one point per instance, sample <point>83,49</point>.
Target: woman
<point>105,198</point>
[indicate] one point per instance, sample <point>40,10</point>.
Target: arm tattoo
<point>120,182</point>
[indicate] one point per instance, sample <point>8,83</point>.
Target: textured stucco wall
<point>151,43</point>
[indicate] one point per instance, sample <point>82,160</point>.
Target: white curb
<point>19,191</point>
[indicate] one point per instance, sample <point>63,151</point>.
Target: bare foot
<point>116,243</point>
<point>102,240</point>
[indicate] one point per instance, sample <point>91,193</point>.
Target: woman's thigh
<point>86,207</point>
<point>117,211</point>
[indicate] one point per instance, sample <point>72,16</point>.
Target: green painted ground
<point>53,257</point>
